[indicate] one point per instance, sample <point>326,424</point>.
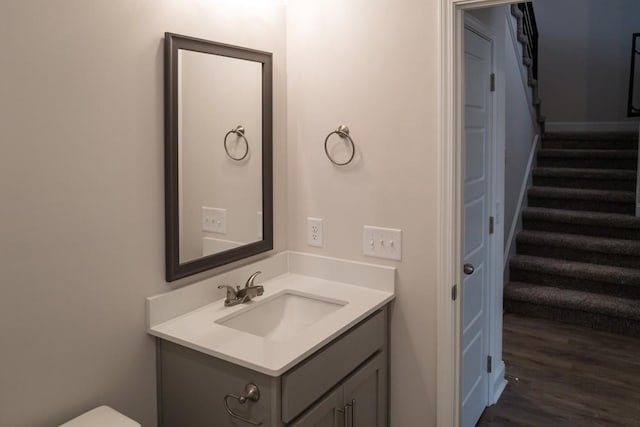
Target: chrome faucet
<point>239,295</point>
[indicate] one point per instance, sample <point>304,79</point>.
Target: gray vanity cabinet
<point>358,402</point>
<point>344,384</point>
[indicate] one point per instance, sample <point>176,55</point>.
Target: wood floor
<point>564,375</point>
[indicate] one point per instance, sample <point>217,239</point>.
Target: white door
<point>478,60</point>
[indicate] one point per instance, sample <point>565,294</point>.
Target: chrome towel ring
<point>251,394</point>
<point>239,130</point>
<point>342,132</point>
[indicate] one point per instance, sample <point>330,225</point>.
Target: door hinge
<point>454,292</point>
<point>492,220</point>
<point>492,81</point>
<point>489,364</point>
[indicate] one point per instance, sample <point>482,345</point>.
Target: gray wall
<point>81,186</point>
<point>372,65</point>
<point>519,123</point>
<point>521,129</point>
<point>585,52</point>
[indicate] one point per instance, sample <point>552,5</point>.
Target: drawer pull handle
<point>342,411</point>
<point>348,408</point>
<point>252,393</point>
<point>353,413</point>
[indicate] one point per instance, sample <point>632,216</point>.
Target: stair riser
<point>585,230</point>
<point>590,145</point>
<point>580,162</point>
<point>586,183</point>
<point>586,256</point>
<point>576,317</point>
<point>582,205</point>
<point>575,283</point>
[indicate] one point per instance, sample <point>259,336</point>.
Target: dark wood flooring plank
<point>566,375</point>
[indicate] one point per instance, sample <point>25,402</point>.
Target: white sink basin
<point>282,316</point>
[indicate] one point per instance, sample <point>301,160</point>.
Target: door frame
<point>449,222</point>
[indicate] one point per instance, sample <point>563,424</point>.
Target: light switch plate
<point>314,232</point>
<point>382,242</point>
<point>214,220</point>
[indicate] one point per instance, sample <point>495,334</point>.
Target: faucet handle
<point>251,279</point>
<point>231,293</point>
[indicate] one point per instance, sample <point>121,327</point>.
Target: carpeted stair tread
<point>597,158</point>
<point>613,143</point>
<point>573,241</point>
<point>570,299</point>
<point>586,271</point>
<point>582,194</point>
<point>590,140</point>
<point>601,219</point>
<point>588,153</point>
<point>555,172</point>
<point>591,136</point>
<point>579,176</point>
<point>587,223</point>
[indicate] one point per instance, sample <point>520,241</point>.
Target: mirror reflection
<point>220,158</point>
<point>218,154</point>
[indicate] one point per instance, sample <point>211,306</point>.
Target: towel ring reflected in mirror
<point>239,131</point>
<point>342,132</point>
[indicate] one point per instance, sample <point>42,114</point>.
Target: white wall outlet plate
<point>214,220</point>
<point>314,232</point>
<point>382,242</point>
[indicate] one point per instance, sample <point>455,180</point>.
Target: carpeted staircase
<point>578,255</point>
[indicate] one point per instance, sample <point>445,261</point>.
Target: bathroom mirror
<point>218,154</point>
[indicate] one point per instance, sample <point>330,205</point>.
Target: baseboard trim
<point>630,126</point>
<point>499,384</point>
<point>521,200</point>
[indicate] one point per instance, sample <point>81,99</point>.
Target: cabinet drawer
<point>307,382</point>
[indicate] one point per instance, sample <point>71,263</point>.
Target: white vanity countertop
<point>199,331</point>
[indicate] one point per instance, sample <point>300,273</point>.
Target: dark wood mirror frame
<point>174,269</point>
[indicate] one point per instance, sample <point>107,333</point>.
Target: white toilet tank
<point>102,416</point>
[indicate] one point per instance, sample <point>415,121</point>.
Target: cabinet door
<point>366,391</point>
<point>193,387</point>
<point>328,412</point>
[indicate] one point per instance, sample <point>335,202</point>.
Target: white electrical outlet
<point>382,242</point>
<point>314,232</point>
<point>214,220</point>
